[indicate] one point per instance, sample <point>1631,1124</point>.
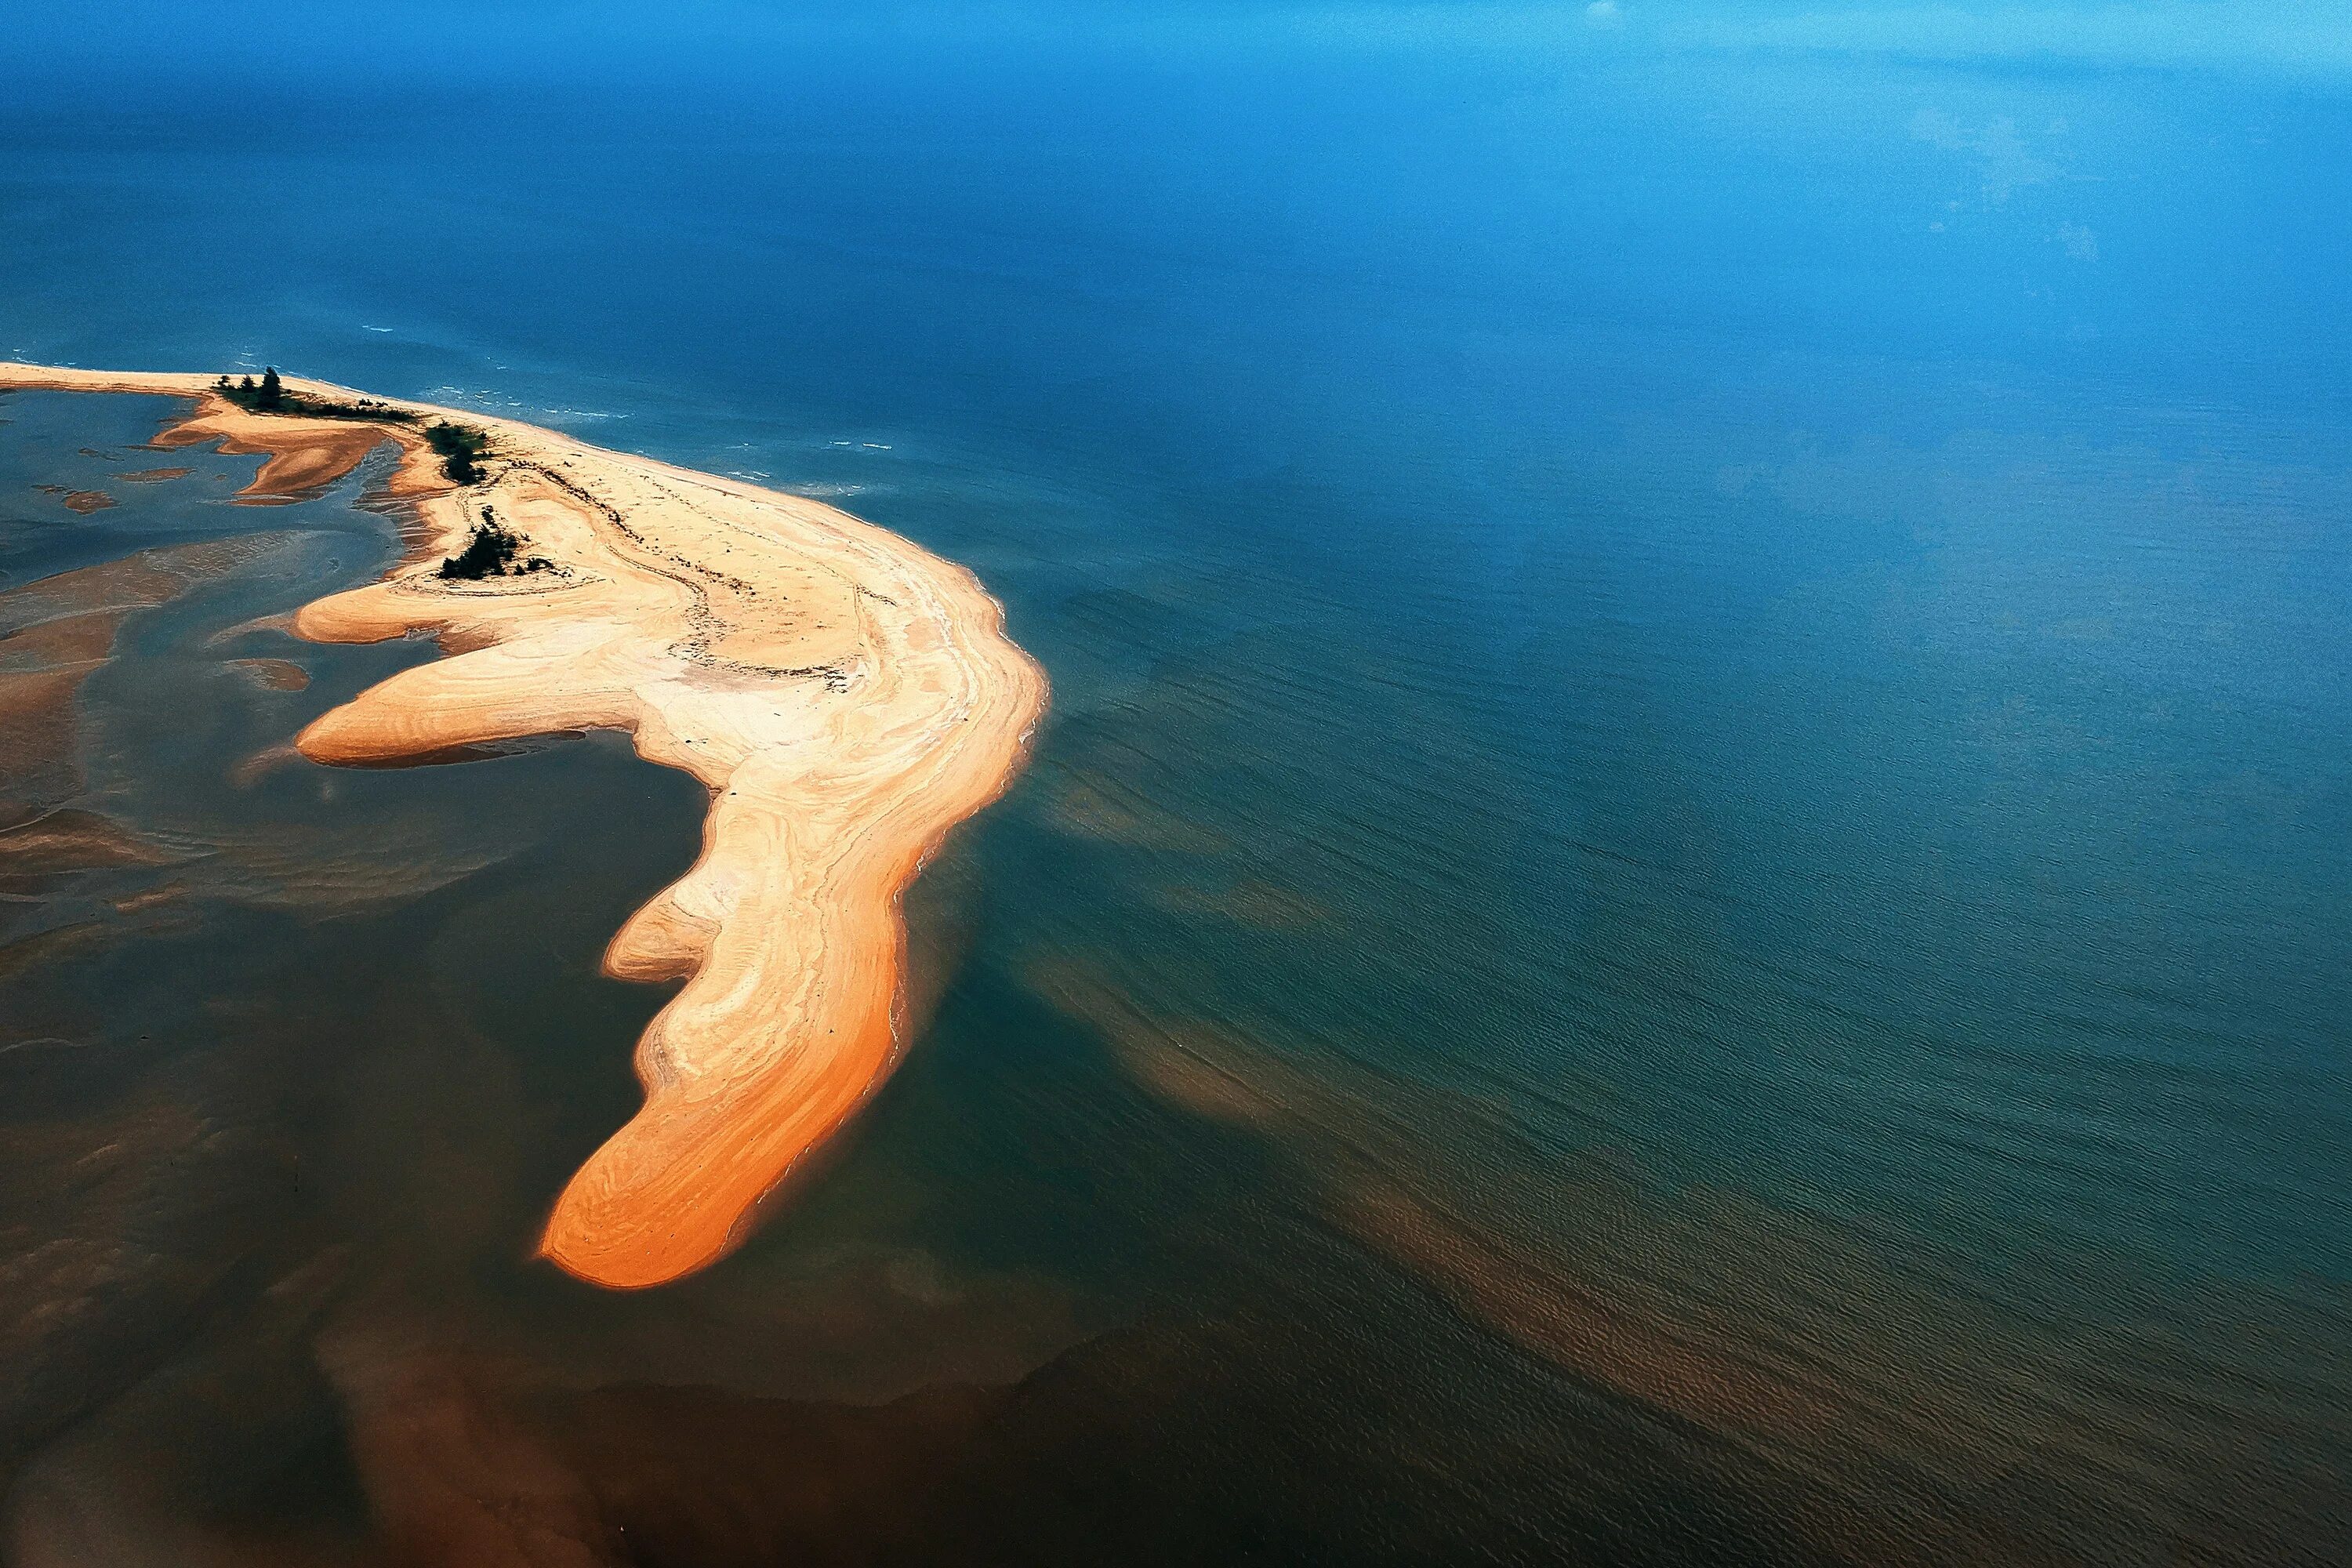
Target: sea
<point>1687,897</point>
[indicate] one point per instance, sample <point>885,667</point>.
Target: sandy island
<point>847,696</point>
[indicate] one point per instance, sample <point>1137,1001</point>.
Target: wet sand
<point>847,696</point>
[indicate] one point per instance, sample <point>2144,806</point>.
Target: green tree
<point>458,446</point>
<point>270,390</point>
<point>489,554</point>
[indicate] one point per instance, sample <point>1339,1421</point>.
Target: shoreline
<point>847,696</point>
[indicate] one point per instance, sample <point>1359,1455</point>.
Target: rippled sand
<point>847,696</point>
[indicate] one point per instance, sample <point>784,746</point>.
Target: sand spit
<point>847,696</point>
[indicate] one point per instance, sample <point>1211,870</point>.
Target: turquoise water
<point>1685,899</point>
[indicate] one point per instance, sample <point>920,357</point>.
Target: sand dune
<point>847,696</point>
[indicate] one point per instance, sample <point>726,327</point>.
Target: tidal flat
<point>1683,900</point>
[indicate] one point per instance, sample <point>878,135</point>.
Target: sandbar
<point>847,696</point>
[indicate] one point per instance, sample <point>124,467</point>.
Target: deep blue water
<point>1689,896</point>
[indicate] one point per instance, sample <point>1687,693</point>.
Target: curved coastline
<point>847,698</point>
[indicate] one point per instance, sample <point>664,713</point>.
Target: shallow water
<point>1685,899</point>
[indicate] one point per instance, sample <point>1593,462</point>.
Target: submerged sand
<point>846,696</point>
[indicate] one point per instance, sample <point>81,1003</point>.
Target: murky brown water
<point>1161,1247</point>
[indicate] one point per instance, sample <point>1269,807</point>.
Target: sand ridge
<point>847,696</point>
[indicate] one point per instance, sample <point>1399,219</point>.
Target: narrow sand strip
<point>847,696</point>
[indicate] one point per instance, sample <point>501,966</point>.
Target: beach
<point>845,697</point>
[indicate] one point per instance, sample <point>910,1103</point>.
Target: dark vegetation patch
<point>270,395</point>
<point>491,553</point>
<point>460,447</point>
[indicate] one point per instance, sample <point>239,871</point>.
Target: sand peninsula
<point>845,696</point>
